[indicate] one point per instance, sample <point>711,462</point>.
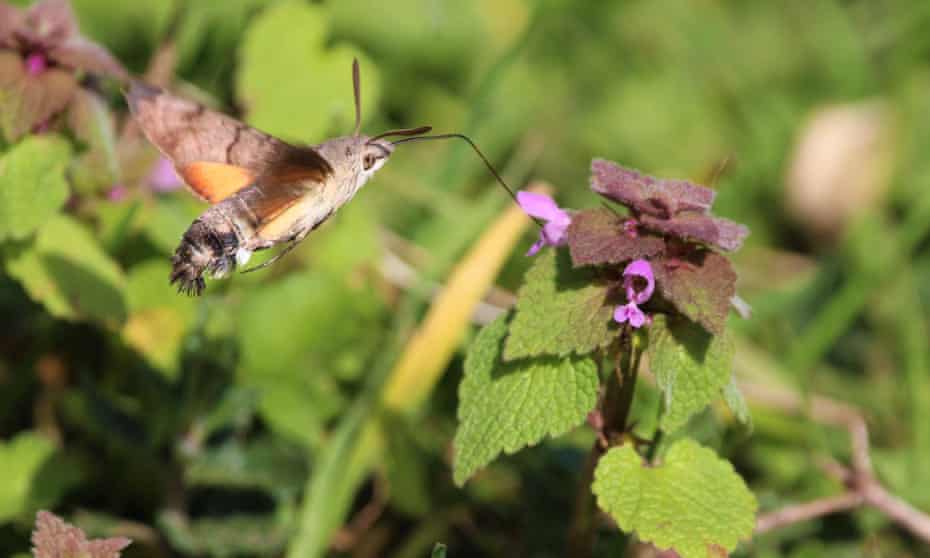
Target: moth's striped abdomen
<point>209,246</point>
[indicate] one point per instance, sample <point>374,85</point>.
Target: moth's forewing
<point>191,135</point>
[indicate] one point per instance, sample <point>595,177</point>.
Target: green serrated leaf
<point>22,457</point>
<point>439,551</point>
<point>70,274</point>
<point>737,403</point>
<point>32,184</point>
<point>292,84</point>
<point>560,310</point>
<point>504,407</point>
<point>693,503</point>
<point>690,365</point>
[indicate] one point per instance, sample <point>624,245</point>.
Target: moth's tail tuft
<point>187,275</point>
<point>202,250</point>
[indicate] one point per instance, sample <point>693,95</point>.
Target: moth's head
<point>368,154</point>
<point>374,153</point>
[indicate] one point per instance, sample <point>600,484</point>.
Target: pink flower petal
<point>163,177</point>
<point>554,233</point>
<point>621,314</point>
<point>536,247</point>
<point>637,318</point>
<point>117,193</point>
<point>630,313</point>
<point>540,205</point>
<point>36,63</point>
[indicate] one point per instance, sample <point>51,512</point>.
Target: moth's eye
<point>368,161</point>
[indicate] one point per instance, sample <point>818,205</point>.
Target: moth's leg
<point>291,244</point>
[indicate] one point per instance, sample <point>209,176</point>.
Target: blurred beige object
<point>841,165</point>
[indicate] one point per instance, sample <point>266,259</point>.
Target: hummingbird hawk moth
<point>264,191</point>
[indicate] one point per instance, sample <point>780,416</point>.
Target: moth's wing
<point>215,154</point>
<point>293,192</point>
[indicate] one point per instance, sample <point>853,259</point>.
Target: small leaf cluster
<point>54,538</point>
<point>545,368</point>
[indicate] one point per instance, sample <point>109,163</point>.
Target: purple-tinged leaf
<point>48,22</point>
<point>11,17</point>
<point>49,28</point>
<point>646,194</point>
<point>597,236</point>
<point>714,231</point>
<point>53,538</point>
<point>29,101</point>
<point>78,52</point>
<point>699,286</point>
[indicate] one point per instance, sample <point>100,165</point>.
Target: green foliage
<point>559,310</point>
<point>166,222</point>
<point>99,167</point>
<point>124,27</point>
<point>505,407</point>
<point>228,536</point>
<point>308,322</point>
<point>22,457</point>
<point>158,318</point>
<point>317,98</point>
<point>691,368</point>
<point>692,503</point>
<point>32,185</point>
<point>737,403</point>
<point>66,271</point>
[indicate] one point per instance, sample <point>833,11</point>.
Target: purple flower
<point>36,63</point>
<point>557,219</point>
<point>117,193</point>
<point>630,312</point>
<point>639,283</point>
<point>163,177</point>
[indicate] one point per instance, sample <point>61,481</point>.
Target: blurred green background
<point>246,422</point>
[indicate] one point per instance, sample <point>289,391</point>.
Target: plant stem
<point>615,409</point>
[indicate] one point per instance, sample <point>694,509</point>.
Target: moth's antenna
<point>484,159</point>
<point>418,131</point>
<point>357,90</point>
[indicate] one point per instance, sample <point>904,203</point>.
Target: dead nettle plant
<point>609,286</point>
<point>44,63</point>
<point>54,538</point>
